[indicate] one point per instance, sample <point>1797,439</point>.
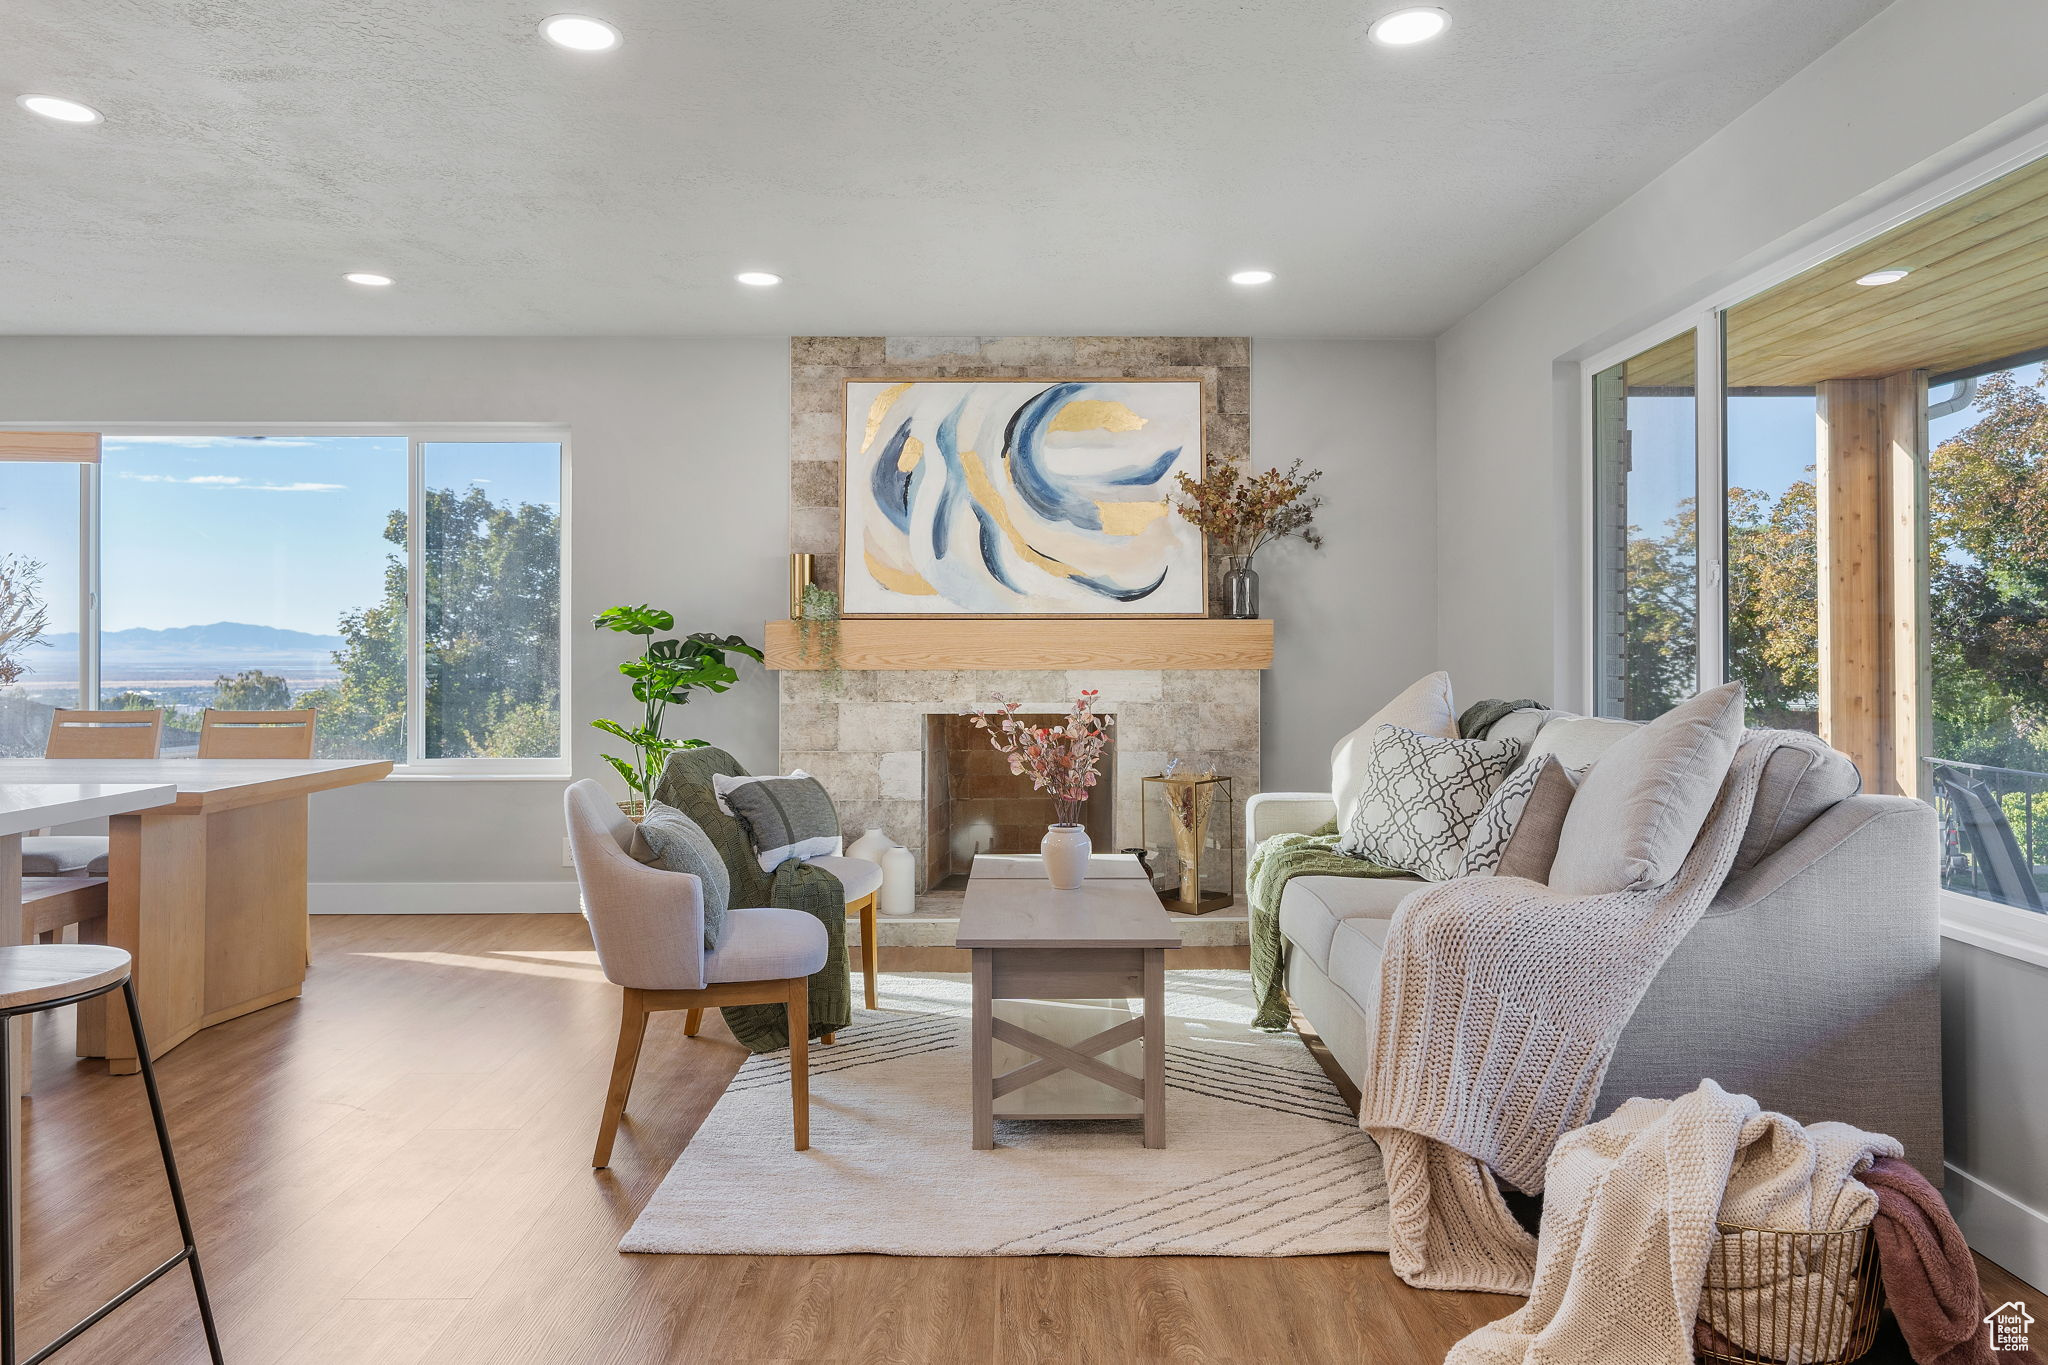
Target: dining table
<point>206,889</point>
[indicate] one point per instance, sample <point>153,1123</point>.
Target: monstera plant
<point>666,672</point>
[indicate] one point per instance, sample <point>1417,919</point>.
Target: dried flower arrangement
<point>1189,797</point>
<point>1061,760</point>
<point>1245,513</point>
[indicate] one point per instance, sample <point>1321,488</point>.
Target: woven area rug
<point>1263,1158</point>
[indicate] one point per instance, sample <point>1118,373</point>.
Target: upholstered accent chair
<point>648,924</point>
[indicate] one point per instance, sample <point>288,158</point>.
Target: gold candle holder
<point>799,579</point>
<point>1190,799</point>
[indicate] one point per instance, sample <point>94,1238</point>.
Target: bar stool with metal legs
<point>39,977</point>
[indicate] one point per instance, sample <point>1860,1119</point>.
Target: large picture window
<point>405,586</point>
<point>1874,450</point>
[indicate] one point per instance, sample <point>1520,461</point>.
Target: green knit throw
<point>1276,862</point>
<point>686,784</point>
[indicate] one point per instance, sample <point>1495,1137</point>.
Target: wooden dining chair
<point>259,734</point>
<point>105,734</point>
<point>256,734</point>
<point>80,860</point>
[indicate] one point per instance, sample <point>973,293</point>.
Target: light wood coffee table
<point>1104,944</point>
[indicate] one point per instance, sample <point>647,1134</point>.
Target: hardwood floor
<point>395,1169</point>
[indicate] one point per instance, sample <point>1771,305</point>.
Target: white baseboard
<point>443,898</point>
<point>1999,1226</point>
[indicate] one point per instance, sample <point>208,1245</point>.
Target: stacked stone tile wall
<point>864,738</point>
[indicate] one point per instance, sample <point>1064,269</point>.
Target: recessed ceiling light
<point>1889,276</point>
<point>1252,277</point>
<point>759,278</point>
<point>580,33</point>
<point>365,277</point>
<point>1405,26</point>
<point>64,111</point>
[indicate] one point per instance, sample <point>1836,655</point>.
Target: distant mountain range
<point>238,636</point>
<point>189,651</point>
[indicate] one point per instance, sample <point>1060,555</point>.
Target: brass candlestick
<point>1190,799</point>
<point>799,579</point>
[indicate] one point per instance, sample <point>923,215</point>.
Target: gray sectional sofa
<point>1812,983</point>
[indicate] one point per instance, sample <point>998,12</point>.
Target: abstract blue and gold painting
<point>998,497</point>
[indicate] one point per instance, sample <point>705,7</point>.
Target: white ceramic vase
<point>870,847</point>
<point>899,881</point>
<point>1065,850</point>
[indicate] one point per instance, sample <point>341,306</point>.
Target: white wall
<point>678,495</point>
<point>1354,622</point>
<point>1885,109</point>
<point>1924,87</point>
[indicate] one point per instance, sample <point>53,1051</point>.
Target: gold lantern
<point>1190,800</point>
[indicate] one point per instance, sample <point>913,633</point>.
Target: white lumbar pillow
<point>1426,708</point>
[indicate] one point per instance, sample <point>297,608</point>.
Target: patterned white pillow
<point>1497,820</point>
<point>1420,798</point>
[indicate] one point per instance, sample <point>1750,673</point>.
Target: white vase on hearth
<point>870,847</point>
<point>1065,851</point>
<point>899,881</point>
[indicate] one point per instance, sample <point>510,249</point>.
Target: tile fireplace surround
<point>866,742</point>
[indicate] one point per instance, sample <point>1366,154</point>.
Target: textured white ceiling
<point>911,166</point>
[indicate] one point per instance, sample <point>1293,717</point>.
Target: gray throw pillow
<point>1641,806</point>
<point>1799,781</point>
<point>785,817</point>
<point>1532,848</point>
<point>682,846</point>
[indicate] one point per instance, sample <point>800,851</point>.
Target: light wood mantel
<point>1035,642</point>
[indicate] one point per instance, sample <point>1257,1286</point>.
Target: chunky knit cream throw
<point>1500,1003</point>
<point>1629,1221</point>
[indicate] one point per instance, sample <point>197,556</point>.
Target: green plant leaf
<point>627,771</point>
<point>640,620</point>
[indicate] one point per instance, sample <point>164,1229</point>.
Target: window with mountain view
<point>266,572</point>
<point>247,573</point>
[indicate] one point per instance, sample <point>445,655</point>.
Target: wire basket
<point>1800,1298</point>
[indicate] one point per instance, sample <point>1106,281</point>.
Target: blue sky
<point>282,531</point>
<point>1770,448</point>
